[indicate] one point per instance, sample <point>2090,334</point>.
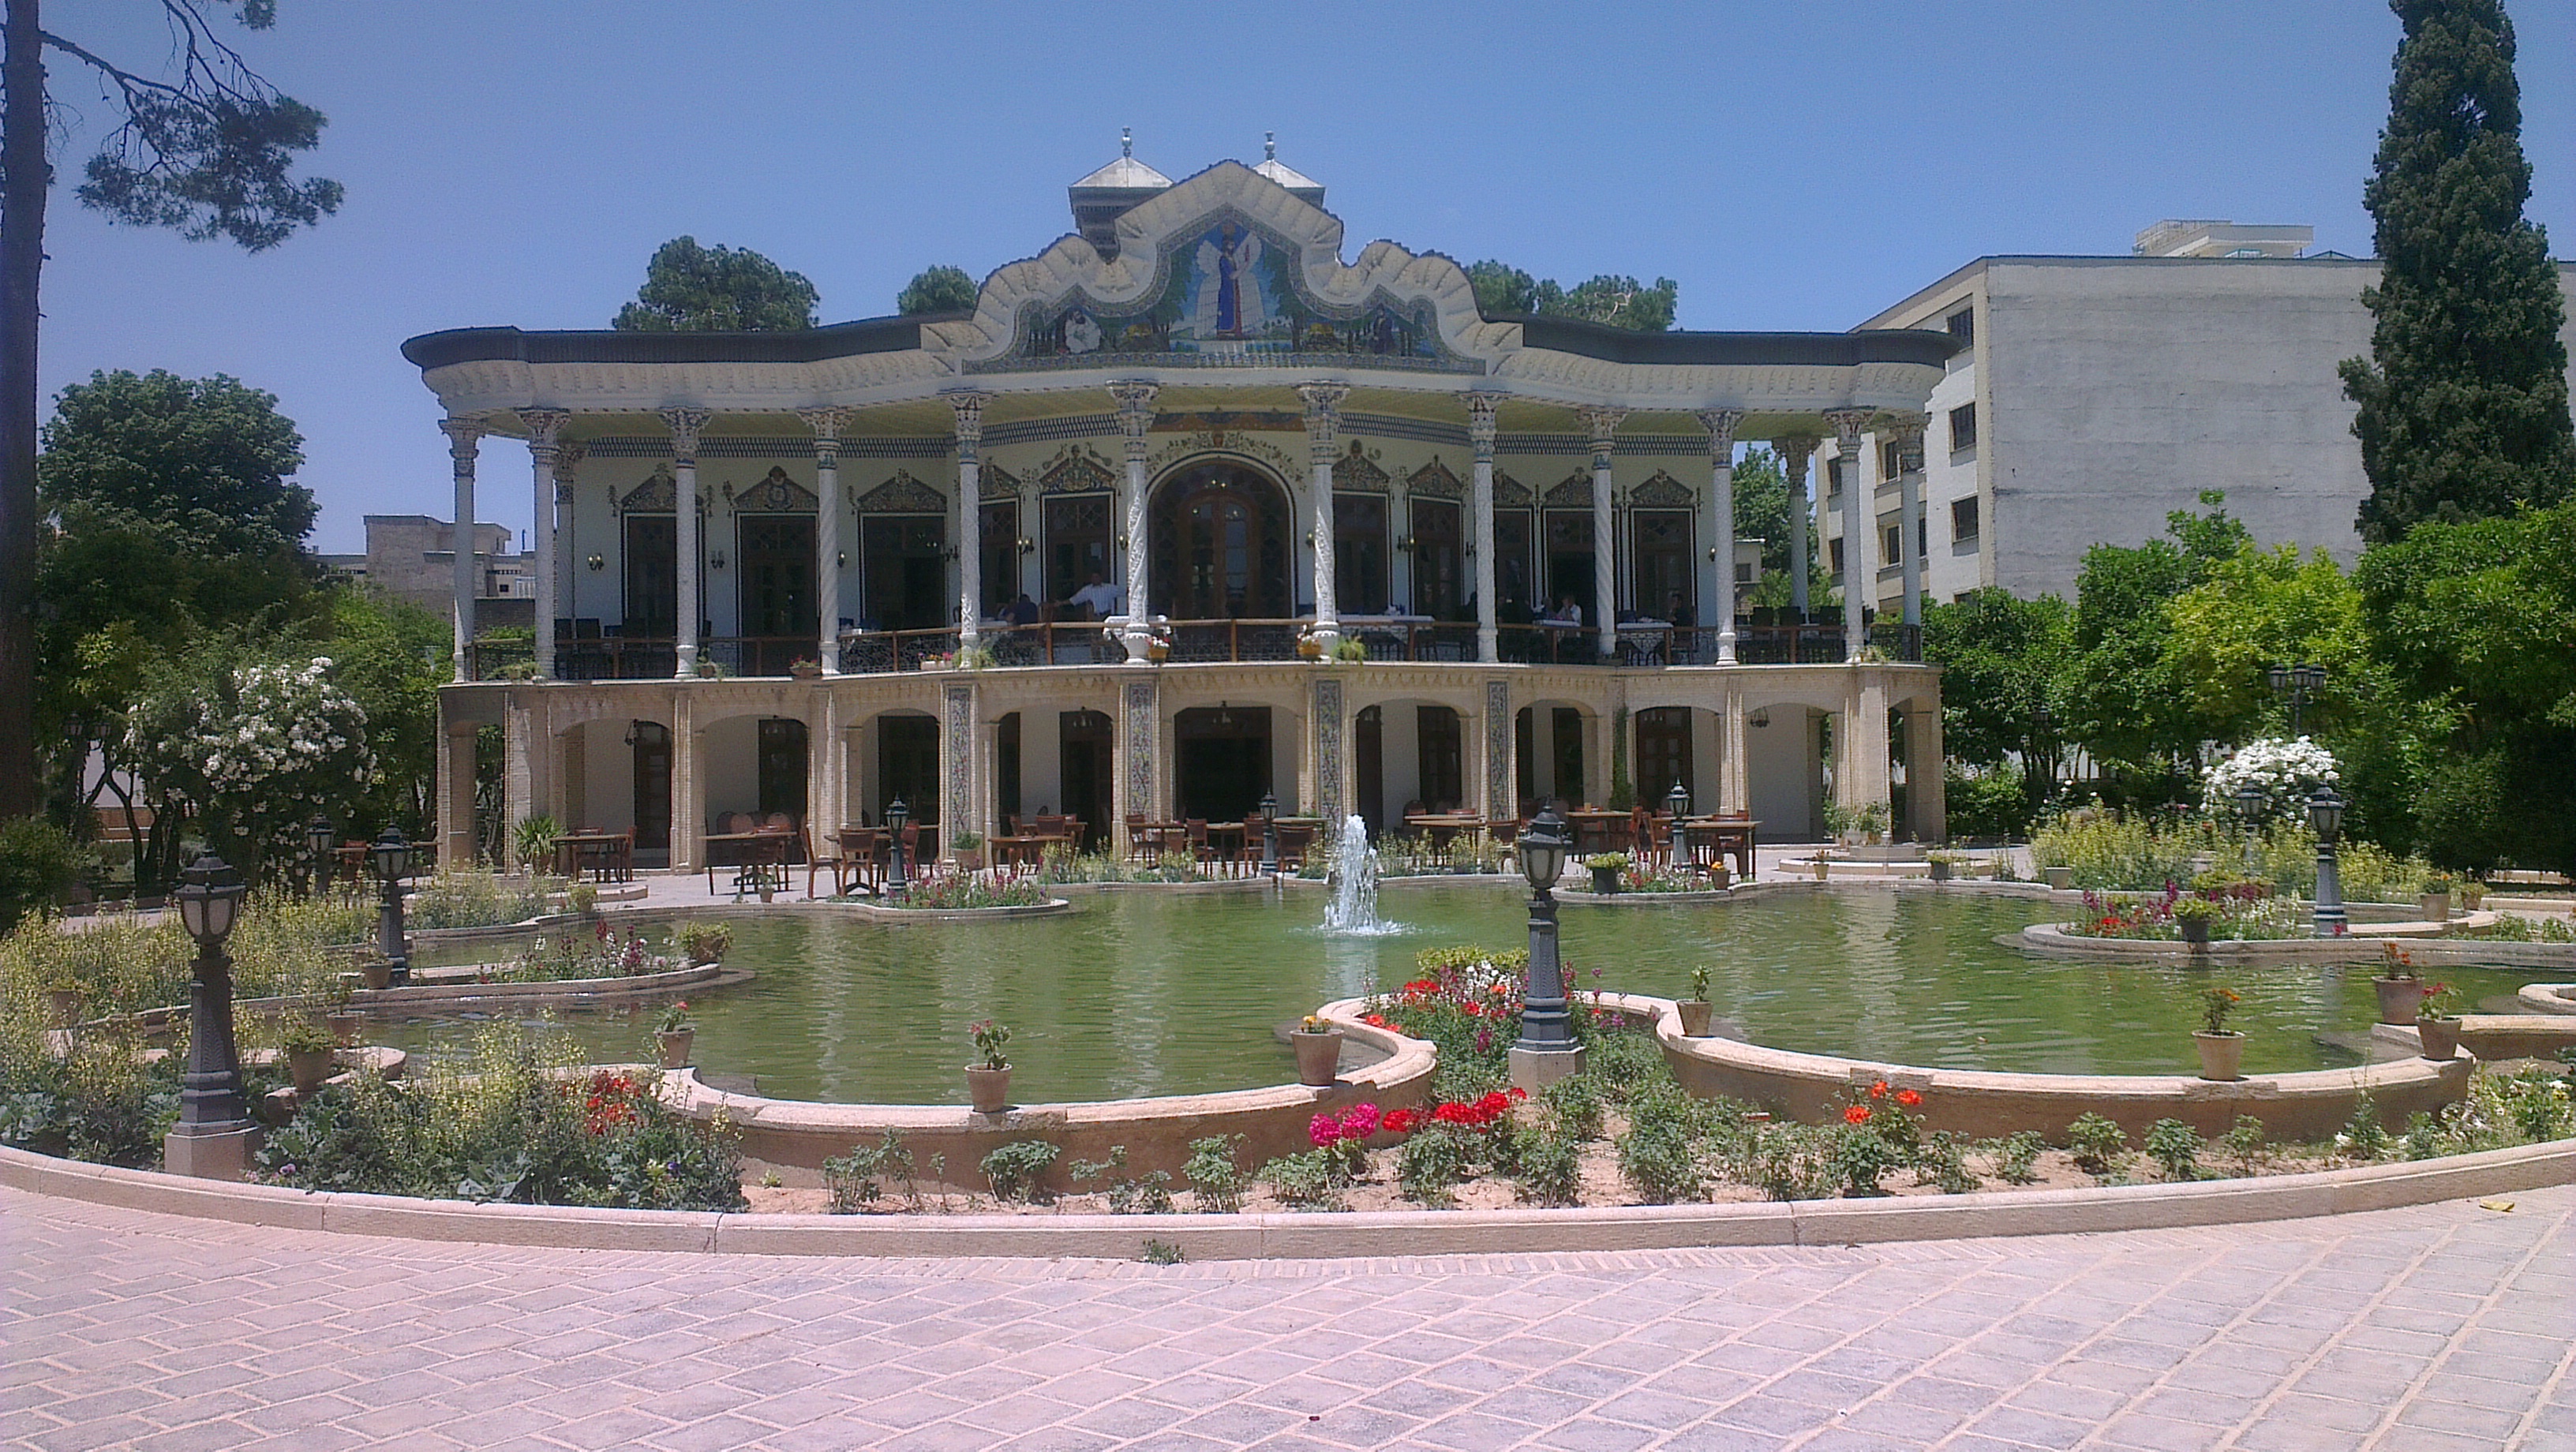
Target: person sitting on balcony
<point>1677,613</point>
<point>1022,611</point>
<point>1099,597</point>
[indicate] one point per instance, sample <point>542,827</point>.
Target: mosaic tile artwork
<point>1328,749</point>
<point>1498,749</point>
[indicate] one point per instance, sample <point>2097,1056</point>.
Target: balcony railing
<point>879,652</point>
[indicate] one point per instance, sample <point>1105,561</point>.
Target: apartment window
<point>1963,426</point>
<point>1962,324</point>
<point>1833,476</point>
<point>1893,545</point>
<point>1891,460</point>
<point>1922,538</point>
<point>1963,520</point>
<point>1837,549</point>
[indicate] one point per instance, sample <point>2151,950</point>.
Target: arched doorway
<point>1220,538</point>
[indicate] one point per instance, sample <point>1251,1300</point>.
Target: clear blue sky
<point>1794,166</point>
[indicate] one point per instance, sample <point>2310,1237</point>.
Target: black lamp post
<point>1269,833</point>
<point>211,1138</point>
<point>390,855</point>
<point>1677,802</point>
<point>896,814</point>
<point>2251,801</point>
<point>2325,815</point>
<point>1545,1051</point>
<point>317,836</point>
<point>2295,684</point>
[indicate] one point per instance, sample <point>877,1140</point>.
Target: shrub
<point>1551,1168</point>
<point>704,942</point>
<point>1943,1161</point>
<point>2243,1145</point>
<point>2015,1157</point>
<point>2175,1147</point>
<point>532,842</point>
<point>1575,1104</point>
<point>1162,1252</point>
<point>1147,1194</point>
<point>39,862</point>
<point>1625,1063</point>
<point>1431,1163</point>
<point>2101,1147</point>
<point>2364,1138</point>
<point>1216,1177</point>
<point>1785,1162</point>
<point>1857,1157</point>
<point>1659,1158</point>
<point>855,1178</point>
<point>473,899</point>
<point>100,1102</point>
<point>1016,1170</point>
<point>1305,1182</point>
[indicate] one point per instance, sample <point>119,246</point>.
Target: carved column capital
<point>1721,425</point>
<point>968,405</point>
<point>1481,410</point>
<point>1849,424</point>
<point>1907,431</point>
<point>685,424</point>
<point>1323,417</point>
<point>1795,450</point>
<point>824,423</point>
<point>1135,400</point>
<point>1601,422</point>
<point>464,434</point>
<point>545,430</point>
<point>567,458</point>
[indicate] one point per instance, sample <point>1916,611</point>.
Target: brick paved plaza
<point>2441,1327</point>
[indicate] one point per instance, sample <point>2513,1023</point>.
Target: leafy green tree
<point>390,655</point>
<point>693,289</point>
<point>2463,401</point>
<point>937,290</point>
<point>1502,289</point>
<point>2483,616</point>
<point>2003,664</point>
<point>1620,302</point>
<point>207,148</point>
<point>2122,698</point>
<point>1763,509</point>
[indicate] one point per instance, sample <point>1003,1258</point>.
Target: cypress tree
<point>2463,403</point>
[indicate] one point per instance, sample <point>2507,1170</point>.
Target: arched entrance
<point>1220,538</point>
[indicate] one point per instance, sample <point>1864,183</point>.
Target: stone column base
<point>222,1155</point>
<point>1532,1070</point>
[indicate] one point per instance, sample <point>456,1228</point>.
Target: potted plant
<point>2437,1021</point>
<point>2473,893</point>
<point>674,1031</point>
<point>1319,1051</point>
<point>2060,879</point>
<point>2400,991</point>
<point>1944,864</point>
<point>308,1047</point>
<point>1310,646</point>
<point>1350,650</point>
<point>1872,821</point>
<point>974,657</point>
<point>1606,868</point>
<point>970,850</point>
<point>336,1016</point>
<point>805,668</point>
<point>373,970</point>
<point>2193,915</point>
<point>988,1084</point>
<point>704,943</point>
<point>2436,898</point>
<point>1694,1009</point>
<point>2222,1048</point>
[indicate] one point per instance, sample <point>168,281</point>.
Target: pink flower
<point>1322,1130</point>
<point>1359,1121</point>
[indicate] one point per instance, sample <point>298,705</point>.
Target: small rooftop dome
<point>1102,197</point>
<point>1301,186</point>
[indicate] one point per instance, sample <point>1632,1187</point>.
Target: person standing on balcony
<point>1099,597</point>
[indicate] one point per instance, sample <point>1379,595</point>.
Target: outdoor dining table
<point>1708,840</point>
<point>597,852</point>
<point>1441,829</point>
<point>1226,840</point>
<point>1599,831</point>
<point>763,859</point>
<point>1027,849</point>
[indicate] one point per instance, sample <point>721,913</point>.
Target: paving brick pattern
<point>2435,1328</point>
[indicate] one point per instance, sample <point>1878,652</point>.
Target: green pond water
<point>1144,993</point>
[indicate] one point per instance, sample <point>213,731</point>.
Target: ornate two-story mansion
<point>1102,547</point>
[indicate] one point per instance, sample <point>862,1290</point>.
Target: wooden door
<point>1368,764</point>
<point>775,556</point>
<point>652,743</point>
<point>782,766</point>
<point>1663,754</point>
<point>908,765</point>
<point>1083,759</point>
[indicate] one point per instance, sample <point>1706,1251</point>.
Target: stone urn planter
<point>1721,877</point>
<point>2437,907</point>
<point>1319,1056</point>
<point>675,1046</point>
<point>1940,870</point>
<point>376,973</point>
<point>989,1090</point>
<point>1605,880</point>
<point>308,1068</point>
<point>805,670</point>
<point>344,1027</point>
<point>2220,1053</point>
<point>2060,879</point>
<point>2441,1037</point>
<point>1823,868</point>
<point>2195,931</point>
<point>2398,998</point>
<point>1694,1015</point>
<point>970,859</point>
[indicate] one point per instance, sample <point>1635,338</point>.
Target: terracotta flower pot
<point>2398,998</point>
<point>376,973</point>
<point>1694,1013</point>
<point>308,1068</point>
<point>1940,872</point>
<point>2441,1037</point>
<point>988,1089</point>
<point>2437,907</point>
<point>2220,1054</point>
<point>344,1027</point>
<point>675,1046</point>
<point>1319,1056</point>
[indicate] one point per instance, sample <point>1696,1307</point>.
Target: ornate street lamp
<point>2295,684</point>
<point>2325,816</point>
<point>896,814</point>
<point>2251,802</point>
<point>1546,1050</point>
<point>317,836</point>
<point>1677,802</point>
<point>390,855</point>
<point>212,1137</point>
<point>1269,833</point>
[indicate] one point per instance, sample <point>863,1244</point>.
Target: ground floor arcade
<point>672,760</point>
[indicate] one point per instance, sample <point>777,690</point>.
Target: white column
<point>463,436</point>
<point>1603,423</point>
<point>545,432</point>
<point>969,408</point>
<point>1323,422</point>
<point>1135,416</point>
<point>1480,433</point>
<point>567,508</point>
<point>1909,514</point>
<point>1795,450</point>
<point>685,424</point>
<point>1860,527</point>
<point>1720,423</point>
<point>827,424</point>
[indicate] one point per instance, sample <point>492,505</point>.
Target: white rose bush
<point>2288,771</point>
<point>254,754</point>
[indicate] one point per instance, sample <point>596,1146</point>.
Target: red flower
<point>1397,1121</point>
<point>1878,1090</point>
<point>1519,1094</point>
<point>1856,1114</point>
<point>1908,1097</point>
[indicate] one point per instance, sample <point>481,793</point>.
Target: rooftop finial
<point>1269,146</point>
<point>1126,142</point>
